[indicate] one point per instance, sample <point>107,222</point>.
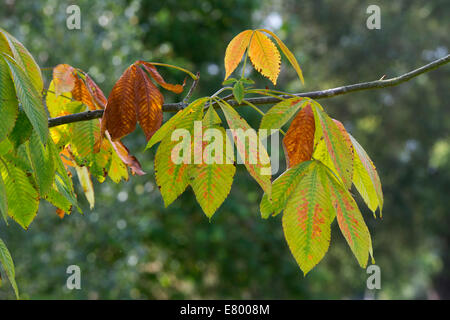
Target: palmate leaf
<point>9,105</point>
<point>264,56</point>
<point>260,170</point>
<point>134,98</point>
<point>30,99</point>
<point>235,50</point>
<point>12,47</point>
<point>366,179</point>
<point>282,189</point>
<point>281,113</point>
<point>338,151</point>
<point>349,218</point>
<point>307,218</point>
<point>23,198</point>
<point>8,265</point>
<point>298,142</point>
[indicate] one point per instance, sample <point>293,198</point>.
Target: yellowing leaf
<point>288,54</point>
<point>307,218</point>
<point>86,183</point>
<point>366,179</point>
<point>258,161</point>
<point>8,101</point>
<point>235,51</point>
<point>338,151</point>
<point>265,56</point>
<point>281,113</point>
<point>350,220</point>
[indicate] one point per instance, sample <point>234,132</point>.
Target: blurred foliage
<point>131,247</point>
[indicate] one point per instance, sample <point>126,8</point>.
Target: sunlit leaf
<point>281,113</point>
<point>350,220</point>
<point>235,51</point>
<point>8,101</point>
<point>63,78</point>
<point>307,218</point>
<point>289,55</point>
<point>86,183</point>
<point>265,56</point>
<point>337,148</point>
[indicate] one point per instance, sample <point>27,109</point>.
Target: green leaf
<point>23,198</point>
<point>8,264</point>
<point>350,220</point>
<point>43,163</point>
<point>3,200</point>
<point>260,170</point>
<point>265,206</point>
<point>282,112</point>
<point>57,199</point>
<point>30,99</point>
<point>366,179</point>
<point>307,218</point>
<point>229,81</point>
<point>9,105</point>
<point>23,58</point>
<point>338,151</point>
<point>22,130</point>
<point>238,91</point>
<point>181,119</point>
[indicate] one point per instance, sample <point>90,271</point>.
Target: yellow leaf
<point>235,51</point>
<point>289,55</point>
<point>265,56</point>
<point>85,180</point>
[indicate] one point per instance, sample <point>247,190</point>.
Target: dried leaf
<point>299,140</point>
<point>63,78</point>
<point>151,69</point>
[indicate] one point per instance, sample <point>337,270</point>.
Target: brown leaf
<point>63,78</point>
<point>151,69</point>
<point>299,140</point>
<point>96,92</point>
<point>119,117</point>
<point>81,93</point>
<point>126,157</point>
<point>60,212</point>
<point>148,102</point>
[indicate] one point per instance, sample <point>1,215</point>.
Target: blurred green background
<point>130,247</point>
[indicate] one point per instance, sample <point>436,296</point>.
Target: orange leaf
<point>96,92</point>
<point>119,117</point>
<point>151,69</point>
<point>299,140</point>
<point>126,157</point>
<point>235,51</point>
<point>81,93</point>
<point>148,102</point>
<point>265,56</point>
<point>63,78</point>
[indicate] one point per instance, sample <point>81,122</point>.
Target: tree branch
<point>174,107</point>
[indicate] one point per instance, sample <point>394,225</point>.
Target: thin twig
<point>191,90</point>
<point>174,107</point>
